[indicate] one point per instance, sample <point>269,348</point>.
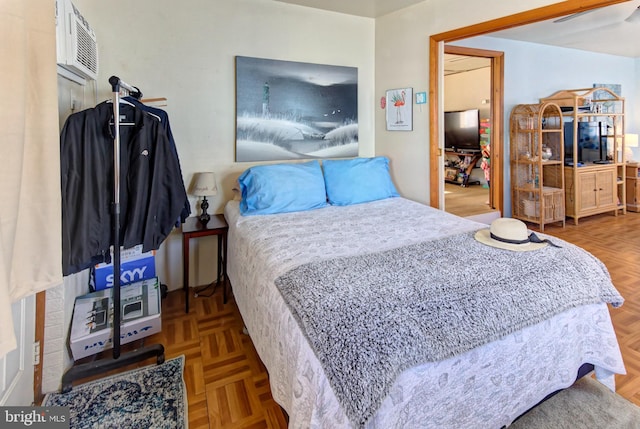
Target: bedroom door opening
<point>436,42</point>
<point>467,88</point>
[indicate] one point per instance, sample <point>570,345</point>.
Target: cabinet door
<point>633,193</point>
<point>588,189</point>
<point>606,183</point>
<point>633,188</point>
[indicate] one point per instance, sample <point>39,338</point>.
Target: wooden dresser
<point>595,190</point>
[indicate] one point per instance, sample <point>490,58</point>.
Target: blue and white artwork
<point>608,106</point>
<point>291,110</point>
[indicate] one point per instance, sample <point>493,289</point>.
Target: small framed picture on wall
<point>399,109</point>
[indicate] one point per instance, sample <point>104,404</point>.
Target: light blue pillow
<point>358,180</point>
<point>282,188</point>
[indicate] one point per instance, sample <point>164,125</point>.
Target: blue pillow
<point>358,180</point>
<point>282,188</point>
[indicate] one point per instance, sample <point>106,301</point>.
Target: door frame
<point>16,367</point>
<point>495,117</point>
<point>436,85</point>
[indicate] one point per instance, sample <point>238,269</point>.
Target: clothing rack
<point>91,368</point>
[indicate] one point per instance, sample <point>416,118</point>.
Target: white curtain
<point>30,211</point>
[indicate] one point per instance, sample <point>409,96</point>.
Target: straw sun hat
<point>510,234</point>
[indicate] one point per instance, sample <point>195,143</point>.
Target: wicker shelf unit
<point>595,171</point>
<point>537,160</point>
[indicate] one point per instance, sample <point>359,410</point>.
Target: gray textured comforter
<point>370,317</point>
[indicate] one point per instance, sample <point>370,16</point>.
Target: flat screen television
<point>592,142</point>
<point>462,130</point>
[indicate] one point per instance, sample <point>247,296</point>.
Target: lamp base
<point>204,216</point>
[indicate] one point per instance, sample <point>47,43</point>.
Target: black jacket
<point>152,193</point>
<point>164,121</point>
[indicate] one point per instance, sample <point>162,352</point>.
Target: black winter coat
<point>152,193</point>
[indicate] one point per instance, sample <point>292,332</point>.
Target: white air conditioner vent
<point>87,49</point>
<point>77,48</point>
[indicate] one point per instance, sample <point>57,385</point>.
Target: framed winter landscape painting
<point>400,109</point>
<point>291,110</point>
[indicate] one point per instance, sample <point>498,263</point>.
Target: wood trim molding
<point>41,299</point>
<point>497,123</point>
<point>474,52</point>
<point>435,154</point>
<point>527,17</point>
<point>523,18</point>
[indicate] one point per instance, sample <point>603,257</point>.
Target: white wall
<point>58,311</point>
<point>467,90</point>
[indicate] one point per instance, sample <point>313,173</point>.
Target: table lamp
<point>630,140</point>
<point>204,185</point>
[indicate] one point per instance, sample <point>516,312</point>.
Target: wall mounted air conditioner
<point>76,47</point>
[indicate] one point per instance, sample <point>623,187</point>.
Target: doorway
<point>435,89</point>
<point>469,85</point>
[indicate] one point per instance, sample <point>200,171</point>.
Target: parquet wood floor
<point>227,384</point>
<point>228,387</point>
<point>615,240</point>
<point>469,201</point>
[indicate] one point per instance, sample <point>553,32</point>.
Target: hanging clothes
<point>152,193</point>
<point>164,121</point>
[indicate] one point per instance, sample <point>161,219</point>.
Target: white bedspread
<point>486,387</point>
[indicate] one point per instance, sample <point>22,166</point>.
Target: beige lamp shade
<point>630,140</point>
<point>204,184</point>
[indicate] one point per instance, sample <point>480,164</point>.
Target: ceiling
<point>366,8</point>
<point>609,30</point>
<point>454,64</point>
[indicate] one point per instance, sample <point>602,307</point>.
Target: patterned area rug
<point>149,397</point>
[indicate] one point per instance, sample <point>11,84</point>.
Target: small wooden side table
<point>192,228</point>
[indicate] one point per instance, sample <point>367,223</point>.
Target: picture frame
<point>399,109</point>
<point>616,88</point>
<point>608,106</point>
<point>289,110</point>
<point>451,174</point>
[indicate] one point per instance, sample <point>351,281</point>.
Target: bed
<point>488,384</point>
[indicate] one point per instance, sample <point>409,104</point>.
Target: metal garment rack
<point>92,368</point>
